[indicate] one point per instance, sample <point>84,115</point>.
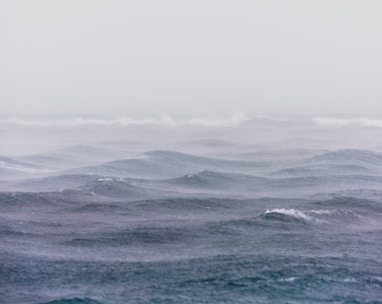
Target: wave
<point>333,215</point>
<point>99,207</point>
<point>113,187</point>
<point>73,301</point>
<point>234,121</point>
<point>16,200</point>
<point>224,279</point>
<point>347,122</point>
<point>361,193</point>
<point>184,158</point>
<point>296,171</point>
<point>165,164</point>
<point>349,155</point>
<point>208,179</point>
<point>186,204</point>
<point>10,167</point>
<point>51,183</point>
<point>283,218</point>
<point>7,162</point>
<point>7,231</point>
<point>144,235</point>
<point>286,214</point>
<point>351,203</point>
<point>73,156</point>
<point>192,180</point>
<point>322,170</point>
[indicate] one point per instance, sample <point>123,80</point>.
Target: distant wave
<point>347,122</point>
<point>235,120</point>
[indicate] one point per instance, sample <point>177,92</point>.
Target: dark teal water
<point>193,251</point>
<point>220,279</point>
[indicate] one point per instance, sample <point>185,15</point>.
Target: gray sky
<point>194,57</point>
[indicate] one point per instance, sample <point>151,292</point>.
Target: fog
<point>199,58</point>
<point>190,151</point>
<point>229,136</point>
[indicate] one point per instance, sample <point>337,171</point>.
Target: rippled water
<point>182,240</point>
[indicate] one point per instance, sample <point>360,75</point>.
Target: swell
<point>73,301</point>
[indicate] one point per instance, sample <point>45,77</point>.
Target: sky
<point>199,57</point>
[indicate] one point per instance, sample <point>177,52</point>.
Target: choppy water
<point>244,234</point>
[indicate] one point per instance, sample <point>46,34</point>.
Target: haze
<point>191,57</point>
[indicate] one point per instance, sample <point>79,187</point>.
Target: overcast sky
<point>196,57</point>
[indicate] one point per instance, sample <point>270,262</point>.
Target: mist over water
<point>28,134</point>
<point>233,209</point>
<point>159,181</point>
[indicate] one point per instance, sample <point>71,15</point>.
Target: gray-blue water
<point>209,231</point>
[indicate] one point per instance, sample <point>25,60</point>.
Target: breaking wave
<point>275,213</point>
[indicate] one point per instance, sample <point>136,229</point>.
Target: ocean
<point>164,226</point>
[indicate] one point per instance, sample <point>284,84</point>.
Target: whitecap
<point>290,279</point>
<point>106,179</point>
<point>291,212</point>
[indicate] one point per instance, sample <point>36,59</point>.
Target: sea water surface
<point>170,227</point>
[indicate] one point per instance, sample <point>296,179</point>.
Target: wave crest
<point>290,212</point>
<point>73,301</point>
